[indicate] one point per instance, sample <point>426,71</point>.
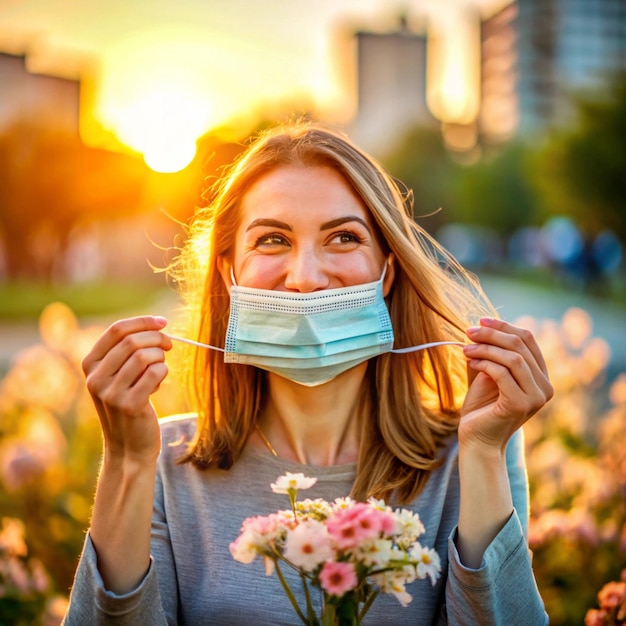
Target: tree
<point>50,183</point>
<point>496,192</point>
<point>580,171</point>
<point>421,161</point>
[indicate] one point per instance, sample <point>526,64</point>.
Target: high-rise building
<point>537,54</point>
<point>391,76</point>
<point>46,101</point>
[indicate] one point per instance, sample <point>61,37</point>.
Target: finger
<point>526,336</point>
<point>133,400</point>
<point>511,339</point>
<point>128,347</point>
<point>513,400</point>
<point>518,370</point>
<point>137,364</point>
<point>522,369</point>
<point>117,332</point>
<point>471,375</point>
<point>111,378</point>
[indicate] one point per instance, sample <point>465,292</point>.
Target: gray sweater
<point>194,580</point>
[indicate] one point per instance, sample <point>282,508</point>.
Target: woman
<point>304,217</point>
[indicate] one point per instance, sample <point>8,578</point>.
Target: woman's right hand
<point>123,369</point>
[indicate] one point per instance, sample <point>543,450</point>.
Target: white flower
<point>393,583</point>
<point>379,504</point>
<point>291,481</point>
<point>245,548</point>
<point>308,545</point>
<point>409,573</point>
<point>314,509</point>
<point>409,525</point>
<point>403,596</point>
<point>342,503</point>
<point>428,562</point>
<point>375,552</point>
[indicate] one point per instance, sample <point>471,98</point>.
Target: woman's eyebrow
<point>342,220</point>
<point>269,222</point>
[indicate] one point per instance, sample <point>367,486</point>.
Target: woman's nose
<point>305,273</point>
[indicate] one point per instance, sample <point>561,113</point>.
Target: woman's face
<point>303,229</point>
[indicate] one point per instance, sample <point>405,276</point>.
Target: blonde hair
<point>409,402</point>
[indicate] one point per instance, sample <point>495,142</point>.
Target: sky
<point>159,69</point>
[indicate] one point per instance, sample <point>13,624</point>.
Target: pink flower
<point>595,617</point>
<point>338,578</point>
<point>258,534</point>
<point>244,548</point>
<point>308,545</point>
<point>12,541</point>
<point>351,526</point>
<point>263,525</point>
<point>612,594</point>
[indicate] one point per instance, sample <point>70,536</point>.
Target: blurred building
<point>46,101</point>
<point>537,54</point>
<point>391,78</point>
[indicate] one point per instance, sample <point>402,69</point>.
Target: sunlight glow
<point>157,98</point>
<point>454,74</point>
<point>163,126</point>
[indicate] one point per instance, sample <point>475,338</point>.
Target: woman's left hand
<point>510,386</point>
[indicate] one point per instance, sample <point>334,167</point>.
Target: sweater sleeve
<point>503,590</point>
<point>91,603</point>
<point>155,600</point>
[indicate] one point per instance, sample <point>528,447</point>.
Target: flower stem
<point>368,603</point>
<point>309,606</point>
<point>293,494</point>
<point>292,598</point>
<point>330,615</point>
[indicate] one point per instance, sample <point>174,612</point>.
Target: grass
<point>25,300</point>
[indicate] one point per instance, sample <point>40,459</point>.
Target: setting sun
<point>157,99</point>
<point>164,127</point>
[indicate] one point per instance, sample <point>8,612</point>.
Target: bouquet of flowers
<point>348,551</point>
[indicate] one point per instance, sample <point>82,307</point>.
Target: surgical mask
<point>309,338</point>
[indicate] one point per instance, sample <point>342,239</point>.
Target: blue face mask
<point>309,338</point>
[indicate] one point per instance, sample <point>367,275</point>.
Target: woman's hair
<point>409,402</point>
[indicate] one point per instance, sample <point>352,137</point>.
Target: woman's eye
<point>273,239</point>
<point>346,237</point>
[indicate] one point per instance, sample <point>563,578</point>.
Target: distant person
<point>316,231</point>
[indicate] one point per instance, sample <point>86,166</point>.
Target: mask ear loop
<point>199,344</point>
<point>191,342</point>
<point>425,346</point>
